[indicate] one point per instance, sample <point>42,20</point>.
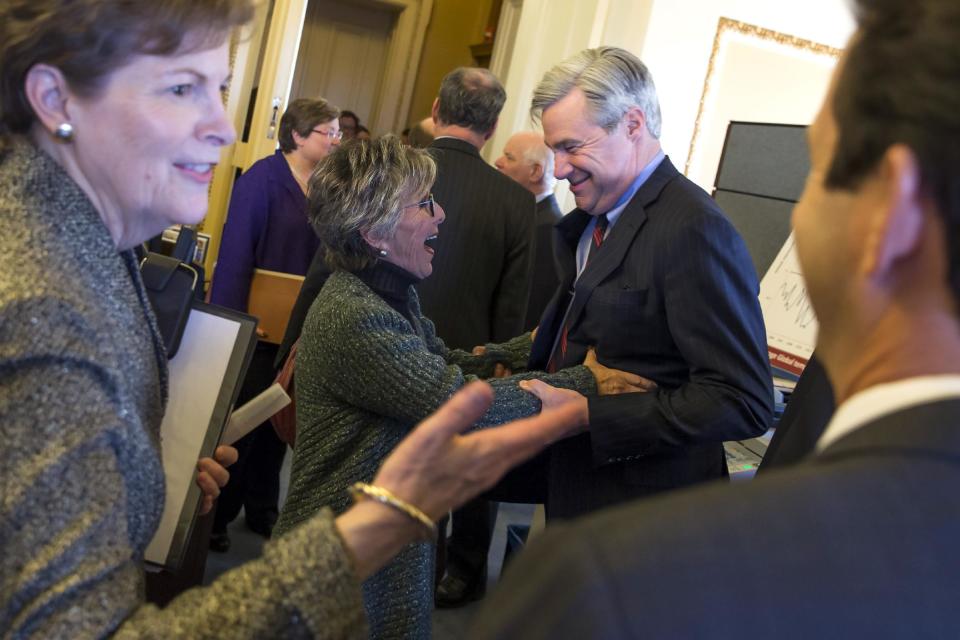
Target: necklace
<point>300,181</point>
<point>296,174</point>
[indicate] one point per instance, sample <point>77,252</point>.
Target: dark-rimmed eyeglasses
<point>428,203</point>
<point>333,135</point>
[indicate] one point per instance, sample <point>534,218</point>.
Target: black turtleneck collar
<point>392,283</point>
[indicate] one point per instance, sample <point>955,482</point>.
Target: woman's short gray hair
<point>361,188</point>
<point>612,79</point>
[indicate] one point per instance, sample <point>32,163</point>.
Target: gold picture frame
<point>755,75</point>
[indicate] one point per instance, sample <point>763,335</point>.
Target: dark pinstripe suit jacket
<point>672,296</point>
<point>480,283</point>
<point>858,541</point>
<point>545,277</point>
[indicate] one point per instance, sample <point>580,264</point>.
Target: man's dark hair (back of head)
<point>472,98</point>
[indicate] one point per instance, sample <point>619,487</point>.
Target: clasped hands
<point>609,382</point>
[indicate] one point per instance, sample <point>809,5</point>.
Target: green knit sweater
<point>366,375</point>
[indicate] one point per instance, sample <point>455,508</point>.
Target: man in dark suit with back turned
<point>481,270</point>
<point>656,280</point>
<point>860,539</point>
<point>529,161</point>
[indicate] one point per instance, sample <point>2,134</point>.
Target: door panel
<point>343,54</point>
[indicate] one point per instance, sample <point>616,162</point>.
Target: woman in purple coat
<point>267,228</point>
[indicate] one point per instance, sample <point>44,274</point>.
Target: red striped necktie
<point>560,350</point>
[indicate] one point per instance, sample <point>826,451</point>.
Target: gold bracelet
<point>384,496</point>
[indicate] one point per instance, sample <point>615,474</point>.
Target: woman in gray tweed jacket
<point>102,147</point>
<point>370,365</point>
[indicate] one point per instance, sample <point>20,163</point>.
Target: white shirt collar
<point>883,399</point>
<point>543,196</point>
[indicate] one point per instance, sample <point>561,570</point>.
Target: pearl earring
<point>383,253</point>
<point>64,132</point>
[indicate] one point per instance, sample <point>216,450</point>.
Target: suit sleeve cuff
<point>615,430</point>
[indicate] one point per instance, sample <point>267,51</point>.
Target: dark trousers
<point>255,478</point>
<point>471,528</point>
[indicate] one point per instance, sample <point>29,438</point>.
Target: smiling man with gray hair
<point>656,280</point>
<point>478,292</point>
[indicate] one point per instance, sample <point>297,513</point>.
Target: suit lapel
<point>568,232</point>
<point>615,248</point>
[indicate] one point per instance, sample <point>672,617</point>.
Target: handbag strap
<point>170,286</point>
<point>183,250</point>
<point>157,269</point>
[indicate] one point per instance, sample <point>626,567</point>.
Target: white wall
<point>679,39</point>
<point>673,37</point>
<point>548,31</point>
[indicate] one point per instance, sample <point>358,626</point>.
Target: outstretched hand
<point>614,381</point>
<point>438,467</point>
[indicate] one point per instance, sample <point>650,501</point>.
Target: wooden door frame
<point>276,75</point>
<point>395,93</point>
